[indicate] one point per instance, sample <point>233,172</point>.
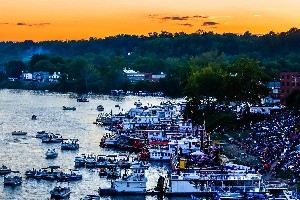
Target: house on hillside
<point>134,76</point>
<point>40,76</point>
<point>54,77</point>
<point>26,76</point>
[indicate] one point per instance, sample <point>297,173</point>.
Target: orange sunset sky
<point>80,19</point>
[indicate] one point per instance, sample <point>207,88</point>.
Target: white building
<point>26,76</point>
<point>54,77</point>
<point>134,76</point>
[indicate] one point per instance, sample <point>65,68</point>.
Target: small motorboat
<point>30,173</point>
<point>13,179</point>
<point>60,192</point>
<point>33,117</point>
<point>51,153</point>
<point>82,99</point>
<point>52,138</point>
<point>75,175</point>
<point>80,160</point>
<point>100,108</point>
<point>68,108</point>
<point>90,161</point>
<point>70,145</point>
<point>91,197</point>
<point>19,132</point>
<point>4,170</point>
<point>41,134</point>
<point>102,172</point>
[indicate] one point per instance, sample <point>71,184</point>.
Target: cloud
<point>176,18</point>
<point>38,24</point>
<point>186,24</point>
<point>210,23</point>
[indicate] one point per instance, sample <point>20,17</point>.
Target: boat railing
<point>224,177</point>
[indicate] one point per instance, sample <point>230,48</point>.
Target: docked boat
<point>100,108</point>
<point>19,132</point>
<point>71,144</point>
<point>51,153</point>
<point>90,161</point>
<point>132,181</point>
<point>229,195</point>
<point>30,173</point>
<point>69,108</point>
<point>4,170</point>
<point>60,192</point>
<point>80,160</point>
<point>13,179</point>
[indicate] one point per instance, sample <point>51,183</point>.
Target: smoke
<point>33,50</point>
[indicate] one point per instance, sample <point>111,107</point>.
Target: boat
<point>74,175</point>
<point>80,160</point>
<point>13,179</point>
<point>82,99</point>
<point>100,108</point>
<point>4,170</point>
<point>69,108</point>
<point>33,117</point>
<point>132,182</point>
<point>30,173</point>
<point>19,132</point>
<point>41,134</point>
<point>52,138</point>
<point>71,144</point>
<point>230,195</point>
<point>91,197</point>
<point>60,191</point>
<point>90,161</point>
<point>51,153</point>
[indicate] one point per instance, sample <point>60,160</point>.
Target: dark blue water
<point>27,152</point>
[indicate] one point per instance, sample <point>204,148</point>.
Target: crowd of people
<point>275,142</point>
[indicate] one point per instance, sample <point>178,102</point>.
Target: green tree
<point>14,68</point>
<point>204,84</point>
<point>45,66</point>
<point>293,100</point>
<point>244,81</point>
<point>35,58</point>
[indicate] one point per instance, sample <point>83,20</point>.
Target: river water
<point>26,152</point>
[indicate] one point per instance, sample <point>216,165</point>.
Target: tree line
<point>200,65</point>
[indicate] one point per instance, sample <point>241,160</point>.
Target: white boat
<point>214,181</point>
<point>133,181</point>
<point>51,153</point>
<point>183,146</point>
<point>13,179</point>
<point>19,132</point>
